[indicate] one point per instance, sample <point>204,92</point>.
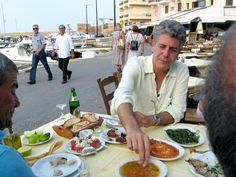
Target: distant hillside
<point>27,33</point>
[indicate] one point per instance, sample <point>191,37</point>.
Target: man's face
<point>62,29</point>
<point>165,52</point>
<point>35,29</point>
<point>8,99</point>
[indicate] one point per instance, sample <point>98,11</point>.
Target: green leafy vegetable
<point>183,136</point>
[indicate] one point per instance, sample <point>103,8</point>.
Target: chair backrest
<point>118,77</point>
<point>107,88</point>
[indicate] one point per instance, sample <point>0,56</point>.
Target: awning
<point>210,14</point>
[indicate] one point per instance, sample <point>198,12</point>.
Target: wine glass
<point>61,107</point>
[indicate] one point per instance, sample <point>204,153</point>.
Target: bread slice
<point>69,123</point>
<point>90,117</point>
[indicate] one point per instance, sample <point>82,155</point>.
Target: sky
<point>20,15</point>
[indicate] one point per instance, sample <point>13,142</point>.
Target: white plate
<point>113,123</point>
<point>111,120</point>
<point>42,167</point>
<point>181,150</point>
<point>200,140</point>
<point>68,149</point>
<point>207,157</point>
<point>106,138</point>
<point>161,165</point>
<point>25,141</point>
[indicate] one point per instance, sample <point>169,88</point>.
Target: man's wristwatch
<point>157,119</point>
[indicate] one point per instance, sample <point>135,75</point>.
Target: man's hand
<point>53,53</point>
<point>36,53</point>
<point>72,55</point>
<point>144,121</point>
<point>139,142</point>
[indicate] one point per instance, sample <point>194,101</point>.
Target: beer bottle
<point>74,103</point>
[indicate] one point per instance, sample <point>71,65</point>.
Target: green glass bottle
<point>74,103</point>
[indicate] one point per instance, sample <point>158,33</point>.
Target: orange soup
<point>134,169</point>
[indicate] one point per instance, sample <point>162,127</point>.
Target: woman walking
<point>118,48</point>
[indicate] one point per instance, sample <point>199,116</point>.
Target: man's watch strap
<point>157,119</point>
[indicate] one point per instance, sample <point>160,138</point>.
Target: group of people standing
<point>130,44</point>
<point>63,46</point>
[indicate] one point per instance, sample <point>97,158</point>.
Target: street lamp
<point>86,9</point>
<point>96,16</point>
<point>114,13</point>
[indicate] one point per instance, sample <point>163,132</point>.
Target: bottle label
<point>74,99</point>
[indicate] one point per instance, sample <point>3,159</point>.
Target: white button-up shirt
<point>138,87</point>
<point>64,45</point>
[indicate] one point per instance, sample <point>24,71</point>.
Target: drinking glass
<point>61,107</point>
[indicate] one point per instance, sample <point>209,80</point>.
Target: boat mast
<point>3,20</point>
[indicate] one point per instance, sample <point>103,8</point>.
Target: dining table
<point>104,162</point>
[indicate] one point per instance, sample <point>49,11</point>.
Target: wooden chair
<point>118,76</point>
<point>107,88</point>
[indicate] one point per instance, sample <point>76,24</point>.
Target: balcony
<point>158,1</point>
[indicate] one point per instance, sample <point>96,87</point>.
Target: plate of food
<point>183,135</point>
<point>204,164</point>
<point>111,120</point>
<point>73,126</point>
<point>33,138</point>
<point>165,150</point>
<point>133,168</point>
<point>77,144</point>
<point>114,135</point>
<point>60,164</point>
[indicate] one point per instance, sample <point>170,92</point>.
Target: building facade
<point>134,12</point>
<point>141,11</point>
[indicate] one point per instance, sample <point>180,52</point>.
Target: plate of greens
<point>183,135</point>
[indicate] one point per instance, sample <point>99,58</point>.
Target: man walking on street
<point>64,45</point>
<point>38,45</point>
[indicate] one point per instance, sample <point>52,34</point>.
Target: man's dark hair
<point>220,103</point>
<point>6,65</point>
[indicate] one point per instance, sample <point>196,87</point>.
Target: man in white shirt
<point>153,89</point>
<point>64,45</point>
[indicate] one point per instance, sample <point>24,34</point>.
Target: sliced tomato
<point>73,144</point>
<point>79,148</point>
<point>94,143</point>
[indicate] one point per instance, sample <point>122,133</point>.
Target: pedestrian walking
<point>64,46</point>
<point>118,48</point>
<point>39,54</point>
<point>135,43</point>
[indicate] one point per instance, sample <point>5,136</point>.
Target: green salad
<point>183,136</point>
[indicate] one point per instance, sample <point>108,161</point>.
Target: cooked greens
<point>183,136</point>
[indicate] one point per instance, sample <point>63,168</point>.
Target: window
<point>179,6</point>
<point>166,9</point>
<point>212,2</point>
<point>187,5</point>
<point>229,2</point>
<point>202,3</point>
<point>194,4</point>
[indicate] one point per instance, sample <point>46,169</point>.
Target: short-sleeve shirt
<point>12,164</point>
<point>37,41</point>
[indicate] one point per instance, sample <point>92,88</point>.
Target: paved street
<point>38,102</point>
